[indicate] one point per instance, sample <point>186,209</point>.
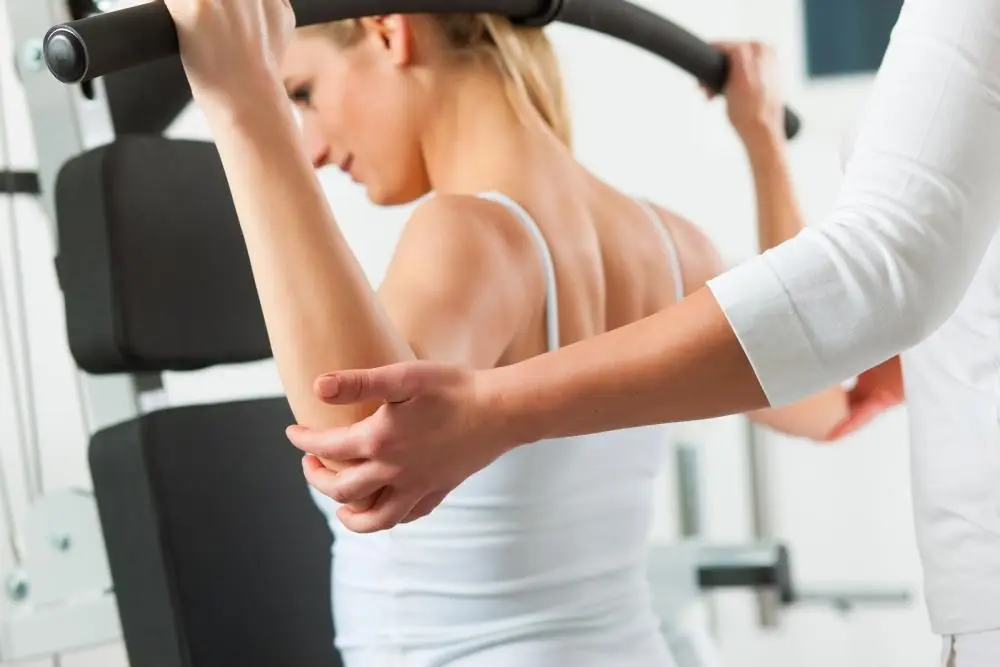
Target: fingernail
<point>293,430</point>
<point>329,385</point>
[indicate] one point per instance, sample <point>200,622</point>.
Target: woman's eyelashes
<point>301,94</point>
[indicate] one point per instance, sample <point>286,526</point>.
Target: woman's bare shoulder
<point>476,227</point>
<point>463,240</point>
<point>699,257</point>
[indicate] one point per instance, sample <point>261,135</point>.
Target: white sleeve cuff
<point>770,330</point>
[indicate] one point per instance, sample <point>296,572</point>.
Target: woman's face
<point>361,109</point>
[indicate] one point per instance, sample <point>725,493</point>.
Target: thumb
<point>388,384</point>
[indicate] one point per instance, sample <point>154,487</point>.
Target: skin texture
<point>405,119</point>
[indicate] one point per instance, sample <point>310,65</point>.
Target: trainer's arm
<point>779,218</point>
<point>918,207</point>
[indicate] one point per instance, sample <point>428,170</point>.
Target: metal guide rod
<point>65,122</point>
<point>768,605</point>
<point>23,386</point>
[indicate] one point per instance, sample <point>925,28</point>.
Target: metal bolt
<point>32,55</point>
<point>17,586</point>
<point>62,542</point>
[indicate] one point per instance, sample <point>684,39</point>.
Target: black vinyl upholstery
<point>218,554</point>
<point>146,99</point>
<point>152,261</point>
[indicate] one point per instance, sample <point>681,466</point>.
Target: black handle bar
<point>103,43</point>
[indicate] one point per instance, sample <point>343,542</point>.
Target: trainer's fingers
<point>320,477</point>
<point>425,507</point>
<point>386,384</point>
<point>392,507</point>
<point>346,443</point>
<point>363,480</point>
<point>325,481</point>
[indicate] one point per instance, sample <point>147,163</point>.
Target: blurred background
<point>641,124</point>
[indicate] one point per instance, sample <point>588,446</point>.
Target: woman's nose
<point>316,145</point>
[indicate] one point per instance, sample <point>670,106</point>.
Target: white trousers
<point>980,649</point>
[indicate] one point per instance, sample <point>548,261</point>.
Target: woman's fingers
<point>863,413</point>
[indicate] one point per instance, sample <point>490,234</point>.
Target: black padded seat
<point>218,555</point>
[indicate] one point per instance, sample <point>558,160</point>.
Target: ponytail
<point>529,63</point>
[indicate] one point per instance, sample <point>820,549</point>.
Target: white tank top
<point>549,540</point>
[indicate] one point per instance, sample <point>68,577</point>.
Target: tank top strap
<point>673,257</point>
<point>548,265</point>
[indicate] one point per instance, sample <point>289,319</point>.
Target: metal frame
<point>768,604</point>
<point>60,598</point>
<point>770,601</point>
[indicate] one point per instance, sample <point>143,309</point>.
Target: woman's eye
<point>301,95</point>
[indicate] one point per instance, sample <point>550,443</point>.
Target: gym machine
<point>188,558</point>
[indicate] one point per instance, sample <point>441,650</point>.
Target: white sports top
<point>546,546</point>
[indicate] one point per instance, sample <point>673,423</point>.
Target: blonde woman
<point>540,559</point>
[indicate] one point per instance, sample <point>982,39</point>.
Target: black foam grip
<point>104,43</point>
<point>100,44</point>
<point>656,34</point>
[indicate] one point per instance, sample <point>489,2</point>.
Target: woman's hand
<point>876,391</point>
<point>231,47</point>
<point>434,430</point>
<point>753,91</point>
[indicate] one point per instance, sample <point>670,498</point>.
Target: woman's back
<point>548,540</point>
<point>616,258</point>
<point>540,558</point>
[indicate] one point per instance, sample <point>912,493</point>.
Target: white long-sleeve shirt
<point>906,261</point>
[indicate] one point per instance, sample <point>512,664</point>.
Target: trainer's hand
<point>876,391</point>
<point>435,429</point>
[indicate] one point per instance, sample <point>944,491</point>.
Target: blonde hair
<point>523,55</point>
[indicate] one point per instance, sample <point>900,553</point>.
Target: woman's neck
<point>476,140</point>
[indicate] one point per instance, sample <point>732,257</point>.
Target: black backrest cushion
<point>147,98</point>
<point>152,262</point>
<point>219,556</point>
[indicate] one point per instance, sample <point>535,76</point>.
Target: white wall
<point>643,126</point>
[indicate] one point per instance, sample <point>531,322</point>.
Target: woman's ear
<point>393,33</point>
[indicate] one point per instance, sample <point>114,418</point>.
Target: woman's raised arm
<point>320,311</point>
